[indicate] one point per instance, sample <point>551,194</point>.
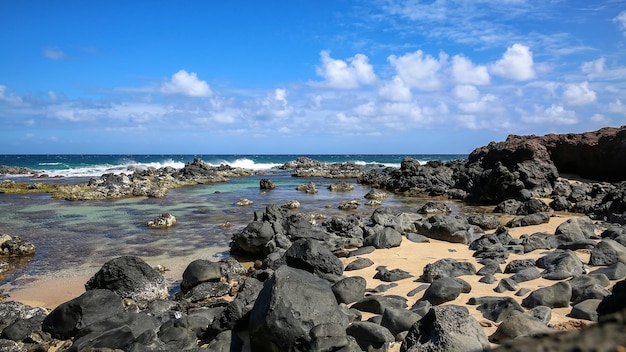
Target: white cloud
<point>579,94</point>
<point>395,90</point>
<point>54,53</point>
<point>280,95</point>
<point>621,21</point>
<point>10,98</point>
<point>555,114</point>
<point>339,74</point>
<point>465,72</point>
<point>600,119</point>
<point>516,63</point>
<point>367,109</point>
<point>466,92</point>
<point>617,107</point>
<point>594,67</point>
<point>418,70</point>
<point>185,83</point>
<point>478,106</point>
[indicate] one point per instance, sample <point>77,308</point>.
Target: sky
<point>305,77</point>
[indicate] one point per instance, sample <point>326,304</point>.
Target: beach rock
<point>586,309</point>
<point>91,307</point>
<point>413,237</point>
<point>518,324</point>
<point>535,241</point>
<point>244,202</point>
<point>506,284</point>
<point>129,277</point>
<point>560,265</point>
<point>526,274</point>
<point>23,328</point>
<point>376,194</point>
<point>362,251</point>
<point>446,328</point>
<point>614,303</point>
<point>575,229</point>
<point>350,289</point>
<point>398,320</point>
<point>162,221</point>
<point>615,271</point>
<point>332,337</point>
<point>502,170</point>
<point>447,267</point>
<point>447,228</point>
<point>555,296</point>
<point>266,184</point>
<point>485,222</point>
<point>308,188</point>
<point>292,204</point>
<point>607,252</point>
<point>508,206</point>
<point>290,304</point>
<point>533,206</point>
<point>582,284</point>
<point>434,208</point>
<point>237,311</point>
<point>350,226</point>
<point>310,255</point>
<point>341,186</point>
<point>370,336</point>
<point>445,289</point>
<point>226,341</point>
<point>359,264</point>
<point>377,304</point>
<point>383,274</point>
<point>382,237</point>
<point>14,246</point>
<point>253,239</point>
<point>518,264</point>
<point>199,271</point>
<point>490,267</point>
<point>529,220</point>
<point>496,309</point>
<point>349,205</point>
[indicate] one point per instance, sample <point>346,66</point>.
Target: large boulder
<point>447,267</point>
<point>129,277</point>
<point>446,328</point>
<point>91,307</point>
<point>291,303</point>
<point>312,256</point>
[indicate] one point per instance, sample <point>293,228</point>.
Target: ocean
<point>74,237</point>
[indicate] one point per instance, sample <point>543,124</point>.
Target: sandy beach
<point>410,256</point>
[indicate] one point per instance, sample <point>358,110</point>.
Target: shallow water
<point>82,235</point>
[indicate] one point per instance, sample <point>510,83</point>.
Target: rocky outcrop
<point>307,167</point>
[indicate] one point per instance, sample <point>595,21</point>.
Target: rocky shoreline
<point>303,289</point>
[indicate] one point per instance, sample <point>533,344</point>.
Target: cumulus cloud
<point>185,83</point>
<point>350,74</point>
<point>516,63</point>
<point>395,90</point>
<point>11,98</point>
<point>54,54</point>
<point>600,119</point>
<point>418,70</point>
<point>555,114</point>
<point>579,94</point>
<point>621,21</point>
<point>617,107</point>
<point>465,72</point>
<point>466,92</point>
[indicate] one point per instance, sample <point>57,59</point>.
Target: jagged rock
<point>310,255</point>
<point>341,186</point>
<point>391,275</point>
<point>266,184</point>
<point>308,188</point>
<point>376,194</point>
<point>292,204</point>
<point>244,202</point>
<point>496,309</point>
<point>164,220</point>
<point>434,208</point>
<point>349,205</point>
<point>446,228</point>
<point>607,252</point>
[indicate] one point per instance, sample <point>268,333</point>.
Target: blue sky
<point>296,77</point>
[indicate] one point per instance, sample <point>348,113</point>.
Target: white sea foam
<point>246,164</point>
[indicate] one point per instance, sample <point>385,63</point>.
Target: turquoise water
<point>83,235</point>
